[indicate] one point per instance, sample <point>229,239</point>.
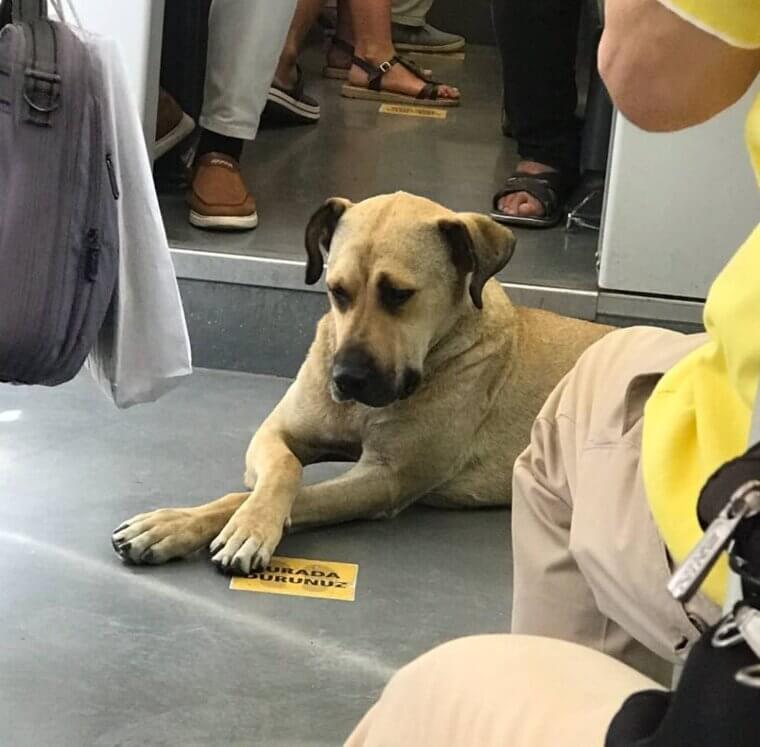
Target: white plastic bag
<point>143,349</point>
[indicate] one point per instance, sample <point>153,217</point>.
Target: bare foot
<point>522,203</point>
<point>397,80</point>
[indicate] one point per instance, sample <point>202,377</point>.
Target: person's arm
<point>663,72</point>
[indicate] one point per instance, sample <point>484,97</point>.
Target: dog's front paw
<point>247,542</point>
<point>158,536</point>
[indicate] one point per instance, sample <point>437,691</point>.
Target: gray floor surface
<point>93,652</point>
<point>355,151</point>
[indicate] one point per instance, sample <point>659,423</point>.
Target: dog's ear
<point>478,245</point>
<point>319,233</point>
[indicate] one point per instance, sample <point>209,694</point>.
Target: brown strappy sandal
<point>428,96</point>
<point>341,73</point>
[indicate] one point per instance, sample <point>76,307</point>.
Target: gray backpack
<point>58,192</point>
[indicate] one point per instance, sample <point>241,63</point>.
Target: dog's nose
<point>351,380</point>
<point>353,372</point>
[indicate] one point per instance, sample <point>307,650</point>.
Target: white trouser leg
<point>245,39</point>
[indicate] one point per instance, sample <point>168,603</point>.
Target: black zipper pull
<point>112,177</point>
<point>92,244</point>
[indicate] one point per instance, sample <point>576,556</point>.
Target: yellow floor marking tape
<point>413,111</point>
<point>301,577</point>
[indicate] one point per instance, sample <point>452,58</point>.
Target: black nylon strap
<point>724,481</point>
<point>6,89</point>
<point>745,554</point>
<point>42,83</point>
<point>708,708</point>
<point>27,10</point>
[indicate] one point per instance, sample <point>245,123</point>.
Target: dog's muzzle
<point>356,376</point>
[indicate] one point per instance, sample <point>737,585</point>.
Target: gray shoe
<point>425,38</point>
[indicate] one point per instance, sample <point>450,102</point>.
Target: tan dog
<point>423,373</point>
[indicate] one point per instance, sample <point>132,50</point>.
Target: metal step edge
<point>650,308</point>
<point>288,274</point>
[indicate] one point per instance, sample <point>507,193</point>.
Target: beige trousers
<point>590,565</point>
<point>500,691</point>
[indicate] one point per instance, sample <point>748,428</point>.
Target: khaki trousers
<point>500,691</point>
<point>590,565</point>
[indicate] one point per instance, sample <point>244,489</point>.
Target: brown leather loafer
<point>218,197</point>
<point>172,124</point>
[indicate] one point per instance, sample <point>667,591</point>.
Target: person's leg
<point>305,17</point>
<point>244,44</point>
<point>371,21</point>
<point>340,51</point>
<point>551,596</point>
<point>412,33</point>
<point>410,12</point>
<point>499,690</point>
<point>590,565</point>
<point>538,44</point>
<point>344,28</point>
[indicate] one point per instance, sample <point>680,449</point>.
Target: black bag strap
<point>708,708</point>
<point>745,557</point>
<point>28,10</point>
<point>717,700</point>
<point>42,82</point>
<point>18,11</point>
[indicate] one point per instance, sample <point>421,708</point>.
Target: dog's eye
<point>340,296</point>
<point>393,298</point>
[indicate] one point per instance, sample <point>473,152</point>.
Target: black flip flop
<point>549,188</point>
<point>290,105</point>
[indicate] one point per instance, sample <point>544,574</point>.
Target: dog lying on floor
<point>422,373</point>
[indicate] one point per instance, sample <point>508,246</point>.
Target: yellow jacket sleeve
<point>737,22</point>
<point>732,317</point>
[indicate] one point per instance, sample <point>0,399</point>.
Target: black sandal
<point>290,105</point>
<point>341,73</point>
<point>428,96</point>
<point>550,188</point>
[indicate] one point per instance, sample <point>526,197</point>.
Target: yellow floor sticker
<point>405,110</point>
<point>301,577</point>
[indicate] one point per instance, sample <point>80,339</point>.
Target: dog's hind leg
<point>158,536</point>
